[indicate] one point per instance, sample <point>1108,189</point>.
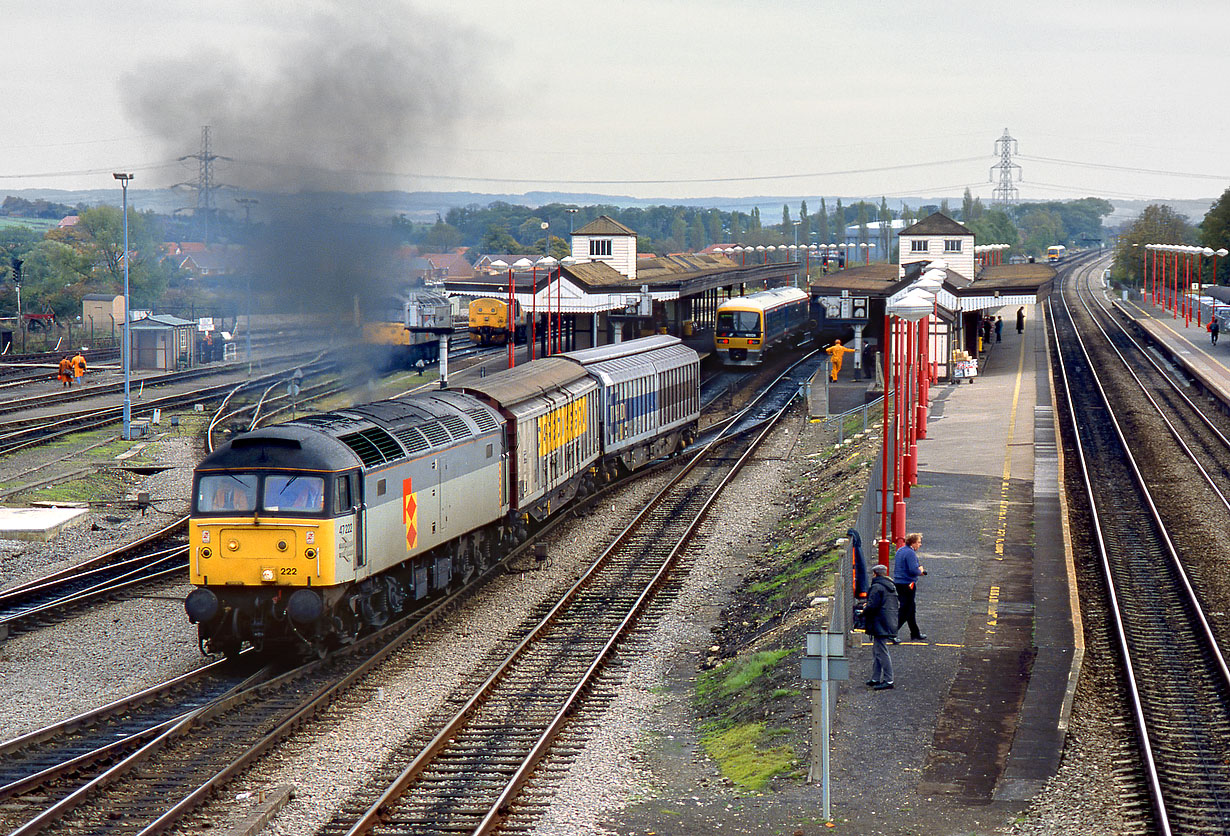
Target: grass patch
<point>743,757</point>
<point>794,572</point>
<point>779,693</point>
<point>737,675</point>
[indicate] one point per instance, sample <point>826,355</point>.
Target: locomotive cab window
<point>230,493</point>
<point>299,494</point>
<point>341,495</point>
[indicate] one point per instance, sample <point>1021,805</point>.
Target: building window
<point>952,245</point>
<point>918,246</point>
<point>600,246</point>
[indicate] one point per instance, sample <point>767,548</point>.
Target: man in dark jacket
<point>881,615</point>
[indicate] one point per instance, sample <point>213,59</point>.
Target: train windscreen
<point>738,324</point>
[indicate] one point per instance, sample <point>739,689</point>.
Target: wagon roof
<point>527,381</point>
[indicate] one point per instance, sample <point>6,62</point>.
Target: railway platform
<point>975,722</point>
<point>1189,346</point>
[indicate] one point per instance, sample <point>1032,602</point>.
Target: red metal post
<point>883,548</point>
<point>534,312</point>
<point>898,442</point>
<point>509,321</point>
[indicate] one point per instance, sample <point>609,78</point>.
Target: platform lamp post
<point>127,350</point>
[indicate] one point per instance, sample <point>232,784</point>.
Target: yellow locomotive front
<point>489,323</point>
<point>272,549</point>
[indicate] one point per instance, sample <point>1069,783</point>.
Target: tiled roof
<point>604,225</point>
<point>936,224</point>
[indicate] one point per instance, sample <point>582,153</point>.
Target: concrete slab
<point>38,524</point>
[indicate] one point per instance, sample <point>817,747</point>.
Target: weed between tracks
<point>751,710</point>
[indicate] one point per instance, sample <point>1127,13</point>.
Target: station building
<point>850,304</point>
<point>605,293</point>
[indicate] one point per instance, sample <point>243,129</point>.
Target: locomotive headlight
<point>233,545</point>
<point>267,574</point>
<point>281,545</point>
<point>310,554</point>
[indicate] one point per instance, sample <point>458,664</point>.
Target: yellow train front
<point>489,322</point>
<point>748,326</point>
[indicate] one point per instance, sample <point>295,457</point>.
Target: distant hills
<point>424,206</point>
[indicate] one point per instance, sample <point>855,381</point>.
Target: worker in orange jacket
<point>836,352</point>
<point>78,362</point>
<point>64,372</point>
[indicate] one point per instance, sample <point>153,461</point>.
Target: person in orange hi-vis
<point>836,352</point>
<point>78,362</point>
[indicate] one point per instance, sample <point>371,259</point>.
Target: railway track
<point>1174,674</point>
<point>160,555</point>
<point>473,774</point>
<point>70,752</point>
<point>168,765</point>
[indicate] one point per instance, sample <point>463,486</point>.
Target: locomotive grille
<point>456,427</point>
<point>373,446</point>
<point>484,420</point>
<point>436,434</point>
<point>414,440</point>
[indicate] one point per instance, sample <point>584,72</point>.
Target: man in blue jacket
<point>906,572</point>
<point>881,615</point>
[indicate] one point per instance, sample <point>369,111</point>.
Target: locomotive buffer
<point>420,320</point>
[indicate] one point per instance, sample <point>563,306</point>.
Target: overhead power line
<point>90,171</point>
<point>645,182</point>
<point>1132,169</point>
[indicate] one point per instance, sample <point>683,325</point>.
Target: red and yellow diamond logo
<point>409,513</point>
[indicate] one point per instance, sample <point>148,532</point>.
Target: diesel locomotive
<point>386,334</point>
<point>304,534</point>
<point>489,322</point>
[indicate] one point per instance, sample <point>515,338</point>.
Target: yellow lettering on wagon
<point>561,425</point>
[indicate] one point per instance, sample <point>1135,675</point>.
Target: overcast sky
<point>671,98</point>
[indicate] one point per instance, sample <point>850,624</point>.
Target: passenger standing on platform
<point>869,360</point>
<point>881,615</point>
<point>1020,320</point>
<point>999,329</point>
<point>906,572</point>
<point>1213,329</point>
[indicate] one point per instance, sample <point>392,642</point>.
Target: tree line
<point>503,227</point>
<point>1160,224</point>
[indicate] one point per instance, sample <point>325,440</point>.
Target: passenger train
<point>748,326</point>
<point>304,534</point>
<point>1055,253</point>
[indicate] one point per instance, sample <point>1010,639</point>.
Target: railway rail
<point>198,749</point>
<point>1174,673</point>
<point>469,777</point>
